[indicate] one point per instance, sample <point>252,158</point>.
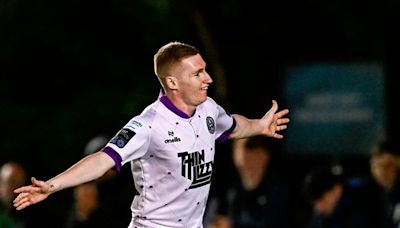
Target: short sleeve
<point>225,123</point>
<point>130,143</point>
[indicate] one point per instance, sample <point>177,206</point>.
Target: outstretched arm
<point>268,125</point>
<point>89,168</point>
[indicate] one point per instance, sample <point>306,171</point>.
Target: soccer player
<point>170,145</point>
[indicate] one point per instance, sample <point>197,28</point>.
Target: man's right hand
<point>31,194</point>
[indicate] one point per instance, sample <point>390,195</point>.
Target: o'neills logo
<point>175,139</point>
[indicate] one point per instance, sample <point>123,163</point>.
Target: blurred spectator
<point>323,187</point>
<point>385,168</point>
<point>338,201</point>
<point>86,210</point>
<point>12,175</point>
<point>100,203</point>
<point>259,198</point>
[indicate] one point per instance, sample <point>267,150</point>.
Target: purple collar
<point>164,99</point>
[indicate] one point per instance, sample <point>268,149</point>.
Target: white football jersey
<point>172,158</point>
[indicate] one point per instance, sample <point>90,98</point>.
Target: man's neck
<point>178,102</point>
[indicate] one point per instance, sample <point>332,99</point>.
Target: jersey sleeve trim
<point>224,136</point>
<point>114,155</point>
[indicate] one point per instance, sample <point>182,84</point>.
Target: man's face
<point>251,163</point>
<point>255,161</point>
<point>193,80</point>
<point>384,168</point>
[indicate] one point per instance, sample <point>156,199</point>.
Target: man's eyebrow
<point>198,71</point>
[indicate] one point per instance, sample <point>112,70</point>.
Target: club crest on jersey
<point>195,168</point>
<point>210,124</point>
<point>123,137</point>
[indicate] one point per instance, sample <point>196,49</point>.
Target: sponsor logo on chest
<point>194,168</point>
<point>173,138</point>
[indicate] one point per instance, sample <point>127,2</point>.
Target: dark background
<point>70,70</point>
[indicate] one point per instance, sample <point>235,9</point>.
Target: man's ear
<point>171,82</point>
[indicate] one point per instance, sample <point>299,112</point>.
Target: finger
<point>20,196</point>
<point>283,121</point>
<point>30,189</point>
<point>26,188</point>
<point>22,189</point>
<point>281,127</point>
<point>24,205</point>
<point>37,182</point>
<point>278,136</point>
<point>272,110</point>
<point>19,190</point>
<point>282,113</point>
<point>274,107</point>
<point>21,201</point>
